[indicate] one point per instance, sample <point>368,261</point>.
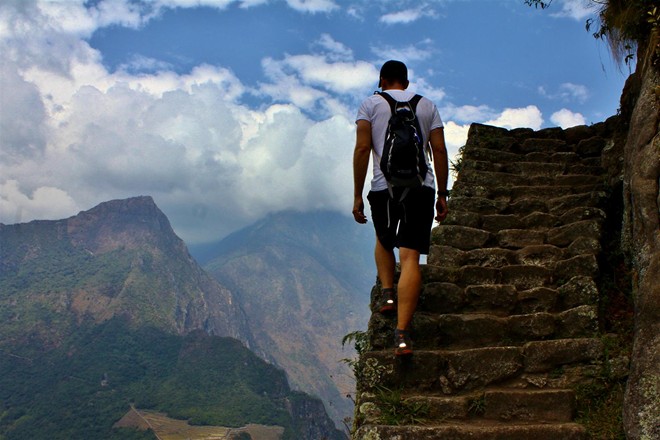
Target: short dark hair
<point>394,70</point>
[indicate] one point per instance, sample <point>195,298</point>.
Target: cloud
<point>302,74</point>
<point>75,135</point>
<point>334,49</point>
<point>567,92</point>
<point>312,6</point>
<point>575,9</point>
<point>44,203</point>
<point>420,51</point>
<point>565,118</point>
<point>402,17</point>
<point>528,117</point>
<point>140,63</point>
<point>467,113</point>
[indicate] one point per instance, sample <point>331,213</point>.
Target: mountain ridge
<point>301,278</point>
<point>63,280</point>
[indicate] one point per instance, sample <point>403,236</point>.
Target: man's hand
<point>358,210</point>
<point>441,208</point>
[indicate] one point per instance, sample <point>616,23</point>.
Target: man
<point>406,223</point>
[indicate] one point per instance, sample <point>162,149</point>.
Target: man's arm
<point>360,167</point>
<point>441,169</point>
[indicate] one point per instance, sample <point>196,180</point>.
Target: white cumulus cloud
<point>565,118</point>
<point>527,117</point>
<point>405,16</point>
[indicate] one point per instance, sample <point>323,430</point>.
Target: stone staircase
<point>507,324</point>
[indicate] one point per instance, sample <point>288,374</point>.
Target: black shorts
<point>404,223</point>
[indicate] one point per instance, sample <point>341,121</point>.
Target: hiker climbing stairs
<point>507,322</point>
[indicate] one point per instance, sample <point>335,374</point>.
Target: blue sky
<point>227,110</point>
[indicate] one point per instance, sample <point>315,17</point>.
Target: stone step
<point>460,431</point>
<point>529,405</point>
<point>546,255</point>
<point>463,331</point>
<point>451,372</point>
<point>566,158</point>
<point>523,277</point>
<point>467,238</point>
<point>504,299</point>
<point>558,206</point>
<point>537,170</point>
<point>533,221</point>
<point>494,179</point>
<point>502,404</point>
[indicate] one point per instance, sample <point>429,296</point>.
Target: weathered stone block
<point>478,275</point>
<point>590,147</point>
<point>441,255</point>
<point>442,274</point>
<point>532,326</point>
<point>461,218</point>
<point>576,266</point>
<point>565,157</point>
<point>494,297</point>
<point>519,238</point>
<point>491,257</point>
<point>542,145</point>
<point>575,134</point>
<point>579,180</point>
<point>497,222</point>
<point>532,169</point>
<point>460,237</point>
<point>579,290</point>
<point>477,204</point>
<point>563,431</point>
<point>582,213</point>
<point>543,356</point>
<point>584,245</point>
<point>526,405</point>
<point>563,236</point>
<point>539,255</point>
<point>525,277</point>
<point>479,367</point>
<point>442,298</point>
<point>491,179</point>
<point>527,206</point>
<point>540,220</point>
<point>487,155</point>
<point>539,299</point>
<point>560,205</point>
<point>471,330</point>
<point>581,321</point>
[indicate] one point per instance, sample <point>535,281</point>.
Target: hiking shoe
<point>402,343</point>
<point>387,301</point>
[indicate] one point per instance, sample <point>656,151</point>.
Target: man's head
<point>393,73</point>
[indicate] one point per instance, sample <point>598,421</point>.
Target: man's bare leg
<point>385,265</point>
<point>410,283</point>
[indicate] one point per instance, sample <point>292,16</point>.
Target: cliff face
<point>121,258</point>
<point>641,179</point>
<point>302,280</point>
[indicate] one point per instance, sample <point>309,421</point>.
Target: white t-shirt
<point>376,110</point>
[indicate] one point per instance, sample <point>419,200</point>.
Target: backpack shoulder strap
<point>391,101</point>
<point>413,102</point>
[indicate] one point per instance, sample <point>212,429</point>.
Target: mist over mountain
<point>303,281</point>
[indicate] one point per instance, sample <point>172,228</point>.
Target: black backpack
<point>404,155</point>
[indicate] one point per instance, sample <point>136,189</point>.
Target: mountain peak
<point>127,223</point>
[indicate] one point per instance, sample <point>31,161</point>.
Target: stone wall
<point>641,228</point>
